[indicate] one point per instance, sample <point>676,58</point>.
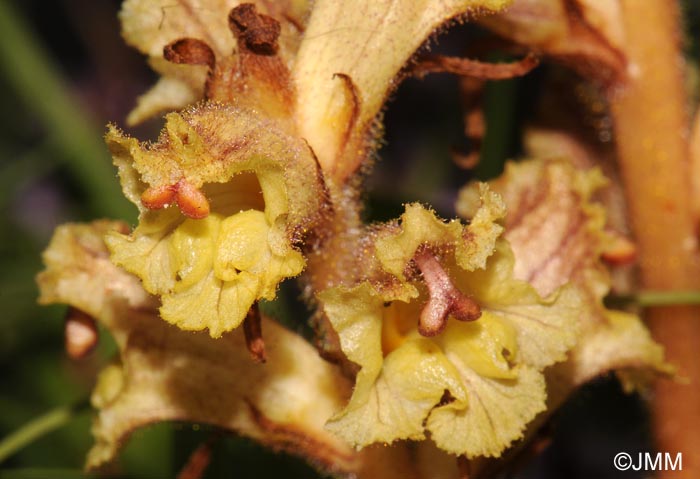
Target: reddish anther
<point>191,201</point>
<point>157,197</point>
<point>445,299</point>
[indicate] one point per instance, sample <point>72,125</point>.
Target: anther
<point>191,201</point>
<point>157,197</point>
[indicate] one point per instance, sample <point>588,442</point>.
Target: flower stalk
<point>651,125</point>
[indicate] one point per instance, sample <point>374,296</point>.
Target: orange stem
<point>650,114</point>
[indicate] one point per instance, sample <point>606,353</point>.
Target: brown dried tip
<point>252,331</point>
<point>80,332</point>
<point>190,51</point>
<point>191,201</point>
<point>621,252</point>
<point>474,68</point>
<point>445,299</point>
<point>254,31</point>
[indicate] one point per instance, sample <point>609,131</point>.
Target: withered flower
<point>166,374</point>
<point>558,234</point>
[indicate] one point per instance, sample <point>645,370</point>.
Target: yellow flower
<point>448,342</point>
<point>245,191</point>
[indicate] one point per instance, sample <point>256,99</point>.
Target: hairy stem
<point>652,130</point>
<point>695,168</point>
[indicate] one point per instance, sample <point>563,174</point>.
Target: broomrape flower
<point>245,193</point>
<point>247,189</point>
<point>449,343</point>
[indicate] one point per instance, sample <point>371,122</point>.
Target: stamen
<point>252,331</point>
<point>189,199</point>
<point>445,299</point>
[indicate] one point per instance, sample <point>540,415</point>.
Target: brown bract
<point>586,35</point>
<point>252,77</point>
<point>197,32</point>
<point>368,42</point>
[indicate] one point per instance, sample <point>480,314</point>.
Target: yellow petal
<point>356,315</point>
<point>191,250</point>
<point>496,415</point>
<point>471,244</point>
<point>414,378</point>
<point>545,328</point>
<point>621,343</point>
<point>556,232</point>
<point>78,267</point>
<point>487,346</point>
<point>239,246</point>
